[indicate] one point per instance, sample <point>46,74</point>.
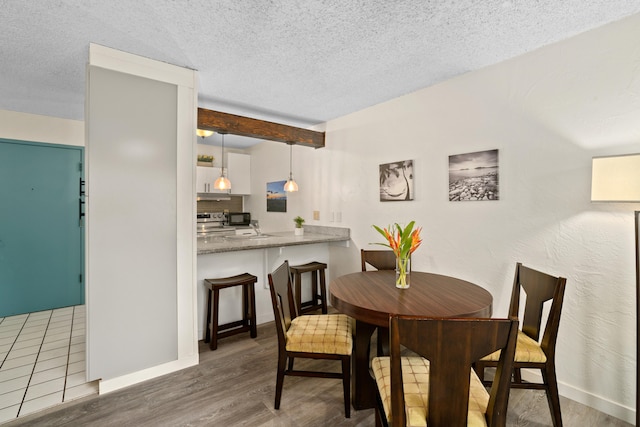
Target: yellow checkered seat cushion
<point>527,350</point>
<point>328,333</point>
<point>415,380</point>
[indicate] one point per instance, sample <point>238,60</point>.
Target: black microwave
<point>239,218</point>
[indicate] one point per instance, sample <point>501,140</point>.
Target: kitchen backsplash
<point>233,205</point>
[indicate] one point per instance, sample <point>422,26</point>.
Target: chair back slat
<point>380,260</point>
<point>452,346</point>
<point>539,288</point>
<point>282,299</point>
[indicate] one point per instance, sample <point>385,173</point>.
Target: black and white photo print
<point>474,176</point>
<point>396,181</point>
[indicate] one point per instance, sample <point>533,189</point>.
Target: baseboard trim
<point>113,384</point>
<point>584,397</point>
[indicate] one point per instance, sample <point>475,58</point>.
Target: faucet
<point>256,227</point>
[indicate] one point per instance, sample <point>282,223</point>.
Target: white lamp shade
<point>290,186</point>
<point>204,133</point>
<point>222,183</point>
<point>616,179</point>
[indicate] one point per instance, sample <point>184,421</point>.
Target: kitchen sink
<point>249,236</point>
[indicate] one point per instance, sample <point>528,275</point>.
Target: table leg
<point>383,341</point>
<point>363,387</point>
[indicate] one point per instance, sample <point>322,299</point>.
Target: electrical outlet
<point>316,215</point>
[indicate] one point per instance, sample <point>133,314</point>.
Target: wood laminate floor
<point>234,386</point>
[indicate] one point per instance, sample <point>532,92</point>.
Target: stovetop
<point>213,224</point>
<point>211,217</point>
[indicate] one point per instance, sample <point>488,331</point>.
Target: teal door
<point>41,232</point>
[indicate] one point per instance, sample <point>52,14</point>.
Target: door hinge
<point>80,277</point>
<point>79,167</point>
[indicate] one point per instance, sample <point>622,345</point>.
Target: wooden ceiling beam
<point>254,128</point>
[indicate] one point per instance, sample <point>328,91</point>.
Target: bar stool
<point>318,300</point>
<point>248,323</point>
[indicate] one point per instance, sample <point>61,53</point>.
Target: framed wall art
<point>396,181</point>
<point>474,176</point>
<point>276,197</point>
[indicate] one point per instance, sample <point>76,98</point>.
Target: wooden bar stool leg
<point>214,327</point>
<point>252,307</point>
<point>207,327</point>
<point>314,290</point>
<point>245,306</point>
<point>298,277</point>
<point>323,291</point>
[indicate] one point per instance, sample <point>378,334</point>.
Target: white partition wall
<point>141,120</point>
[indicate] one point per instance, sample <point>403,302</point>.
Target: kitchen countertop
<point>312,234</point>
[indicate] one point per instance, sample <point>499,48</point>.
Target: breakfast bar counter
<point>259,255</point>
<point>312,235</point>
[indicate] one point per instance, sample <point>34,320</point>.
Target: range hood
<point>213,196</point>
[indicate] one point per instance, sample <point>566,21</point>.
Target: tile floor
<point>42,361</point>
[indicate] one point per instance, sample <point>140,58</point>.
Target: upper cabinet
<point>205,177</point>
<point>239,173</point>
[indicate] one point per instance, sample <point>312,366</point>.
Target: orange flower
<point>402,242</point>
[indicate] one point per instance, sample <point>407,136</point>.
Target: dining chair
<point>531,353</point>
<point>320,336</point>
<point>380,260</point>
<point>437,386</point>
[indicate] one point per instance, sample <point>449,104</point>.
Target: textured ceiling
<point>299,62</point>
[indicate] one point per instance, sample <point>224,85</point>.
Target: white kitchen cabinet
<point>205,177</point>
<point>239,173</point>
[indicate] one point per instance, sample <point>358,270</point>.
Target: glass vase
<point>403,272</point>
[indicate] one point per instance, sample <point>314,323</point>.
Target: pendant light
<point>203,133</point>
<point>222,183</point>
<point>290,185</point>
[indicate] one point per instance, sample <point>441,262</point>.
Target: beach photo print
<point>474,176</point>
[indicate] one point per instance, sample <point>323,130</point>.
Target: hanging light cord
<point>290,185</point>
<point>290,162</point>
<point>222,183</point>
<point>222,153</point>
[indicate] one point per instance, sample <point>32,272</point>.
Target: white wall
<point>548,112</point>
<point>36,128</point>
<point>133,258</point>
<point>270,163</point>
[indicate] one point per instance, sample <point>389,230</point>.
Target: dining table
<point>371,297</point>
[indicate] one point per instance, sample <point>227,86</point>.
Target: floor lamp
<point>637,214</point>
<point>617,179</point>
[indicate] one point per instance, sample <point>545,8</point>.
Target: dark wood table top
<point>371,296</point>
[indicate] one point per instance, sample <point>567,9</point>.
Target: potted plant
<point>205,160</point>
<point>299,221</point>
